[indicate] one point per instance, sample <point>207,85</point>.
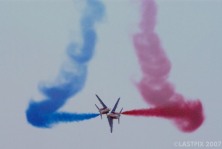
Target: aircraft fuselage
<point>113,115</point>
<point>104,110</point>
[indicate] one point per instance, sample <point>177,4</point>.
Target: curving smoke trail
<point>72,77</point>
<point>188,115</point>
<point>154,86</point>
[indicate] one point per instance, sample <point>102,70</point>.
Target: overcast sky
<point>33,38</point>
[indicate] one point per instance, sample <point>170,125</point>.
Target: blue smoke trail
<point>71,80</point>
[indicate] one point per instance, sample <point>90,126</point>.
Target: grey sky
<point>33,38</point>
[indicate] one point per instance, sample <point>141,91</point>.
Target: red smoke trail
<point>154,86</point>
<point>187,115</point>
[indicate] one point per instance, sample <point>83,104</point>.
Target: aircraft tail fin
<point>120,115</point>
<point>99,111</point>
<point>121,111</point>
<point>97,107</point>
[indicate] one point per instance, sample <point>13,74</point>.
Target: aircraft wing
<point>104,106</point>
<point>114,108</point>
<point>110,120</point>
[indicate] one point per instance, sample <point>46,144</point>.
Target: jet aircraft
<point>104,109</point>
<point>114,115</point>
